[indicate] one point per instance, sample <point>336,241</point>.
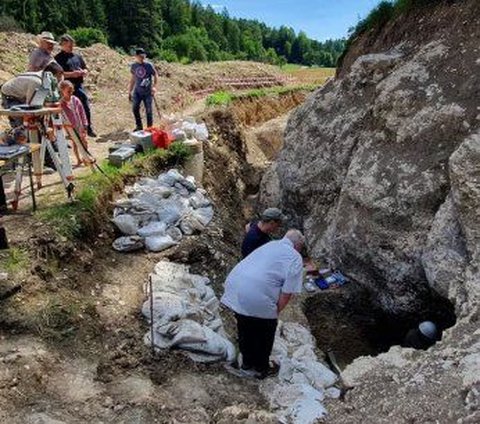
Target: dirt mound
<point>109,76</point>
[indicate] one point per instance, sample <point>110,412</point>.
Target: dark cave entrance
<point>346,321</point>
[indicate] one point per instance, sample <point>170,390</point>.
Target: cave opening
<point>347,322</point>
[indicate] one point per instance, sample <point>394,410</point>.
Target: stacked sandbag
<point>185,314</point>
<point>303,382</point>
<point>158,212</point>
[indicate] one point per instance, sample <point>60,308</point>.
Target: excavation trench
<point>346,322</point>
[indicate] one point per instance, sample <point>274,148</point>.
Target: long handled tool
<point>157,107</point>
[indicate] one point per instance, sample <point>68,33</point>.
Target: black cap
<point>140,51</point>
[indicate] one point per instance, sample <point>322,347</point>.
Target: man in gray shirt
<point>41,57</point>
<point>257,290</point>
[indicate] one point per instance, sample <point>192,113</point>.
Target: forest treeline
<point>174,30</point>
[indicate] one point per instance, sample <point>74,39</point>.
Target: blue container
<point>321,283</point>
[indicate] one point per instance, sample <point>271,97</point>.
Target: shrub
<point>168,55</point>
<point>85,37</point>
<point>376,19</point>
<point>220,98</point>
<point>9,24</point>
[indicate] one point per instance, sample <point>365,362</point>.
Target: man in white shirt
<point>257,290</point>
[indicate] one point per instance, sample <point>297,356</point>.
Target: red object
<point>160,138</point>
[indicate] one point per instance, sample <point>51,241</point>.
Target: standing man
<point>75,71</point>
<point>260,232</point>
<point>142,87</point>
<point>257,290</point>
<point>41,57</point>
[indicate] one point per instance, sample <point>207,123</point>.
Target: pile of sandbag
<point>158,212</point>
<point>186,128</point>
<point>303,382</point>
<point>185,314</point>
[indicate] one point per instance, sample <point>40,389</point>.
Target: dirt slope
<point>109,76</point>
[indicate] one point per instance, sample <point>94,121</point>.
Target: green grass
<point>225,98</point>
<point>219,98</point>
<point>94,191</point>
<point>14,260</point>
<point>290,67</point>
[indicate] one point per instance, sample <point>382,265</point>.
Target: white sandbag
<point>212,346</point>
<point>201,132</point>
<point>166,307</point>
<point>155,228</point>
<point>189,185</point>
<point>199,200</point>
<point>181,190</point>
<point>128,244</point>
<point>126,223</point>
<point>204,215</point>
<point>159,243</point>
<point>170,178</point>
<point>170,212</point>
<point>190,224</point>
<point>296,334</point>
<point>175,233</point>
<point>318,374</point>
<point>179,135</point>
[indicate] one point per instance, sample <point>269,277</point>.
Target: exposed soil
<point>254,111</point>
<point>71,341</point>
<point>346,322</point>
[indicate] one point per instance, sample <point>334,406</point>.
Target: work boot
<point>272,371</point>
<point>237,370</point>
<point>91,133</point>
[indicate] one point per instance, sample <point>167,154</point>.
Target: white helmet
<point>428,329</point>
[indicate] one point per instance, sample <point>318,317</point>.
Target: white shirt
<point>254,286</point>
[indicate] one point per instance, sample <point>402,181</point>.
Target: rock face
<point>381,168</point>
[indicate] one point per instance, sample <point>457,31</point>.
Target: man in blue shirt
<point>259,233</point>
<point>257,290</point>
<point>142,88</point>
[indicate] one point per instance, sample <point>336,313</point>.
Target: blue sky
<point>320,19</point>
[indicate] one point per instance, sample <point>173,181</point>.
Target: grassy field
<point>223,98</point>
<point>307,75</point>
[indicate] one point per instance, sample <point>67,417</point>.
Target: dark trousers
<point>147,100</point>
<point>82,95</point>
<point>255,340</point>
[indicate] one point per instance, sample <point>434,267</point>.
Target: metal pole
<point>151,316</point>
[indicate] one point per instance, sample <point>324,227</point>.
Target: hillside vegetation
<point>174,30</point>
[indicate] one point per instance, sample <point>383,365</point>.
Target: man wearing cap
<point>41,58</point>
<point>422,337</point>
<point>259,233</point>
<point>75,71</point>
<point>142,87</point>
<point>257,290</point>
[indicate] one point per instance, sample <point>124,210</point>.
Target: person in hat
<point>422,337</point>
<point>260,232</point>
<point>41,57</point>
<point>257,290</point>
<point>75,70</point>
<point>142,88</point>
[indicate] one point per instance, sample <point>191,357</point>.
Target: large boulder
<point>367,170</point>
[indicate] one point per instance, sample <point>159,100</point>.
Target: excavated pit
<point>346,321</point>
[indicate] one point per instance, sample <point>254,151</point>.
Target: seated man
<point>259,233</point>
<point>257,290</point>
